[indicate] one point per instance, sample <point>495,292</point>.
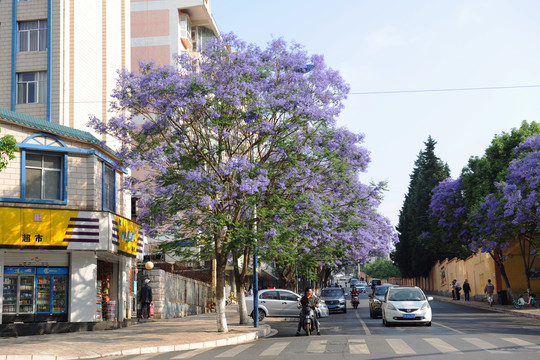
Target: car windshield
<point>332,292</point>
<point>406,295</point>
<point>380,290</point>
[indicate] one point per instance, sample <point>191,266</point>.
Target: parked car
<point>334,299</point>
<point>404,304</point>
<point>281,303</point>
<point>375,301</point>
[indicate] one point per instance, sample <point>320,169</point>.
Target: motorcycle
<point>355,301</point>
<point>308,318</point>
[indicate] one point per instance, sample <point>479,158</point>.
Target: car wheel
<point>386,323</point>
<point>428,323</point>
<point>344,310</point>
<point>262,315</point>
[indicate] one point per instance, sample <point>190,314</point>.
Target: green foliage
<point>481,174</point>
<point>382,269</point>
<point>411,255</point>
<point>8,147</point>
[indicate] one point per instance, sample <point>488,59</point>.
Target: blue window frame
<point>43,176</point>
<point>109,188</point>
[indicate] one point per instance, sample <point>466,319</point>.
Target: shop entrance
<point>107,290</point>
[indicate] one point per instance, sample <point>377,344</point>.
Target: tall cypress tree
<point>412,256</point>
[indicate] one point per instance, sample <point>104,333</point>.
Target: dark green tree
<point>382,269</point>
<point>411,255</point>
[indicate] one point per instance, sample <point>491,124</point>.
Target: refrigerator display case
<point>18,297</point>
<point>51,294</point>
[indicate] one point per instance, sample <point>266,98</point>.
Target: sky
<point>390,49</point>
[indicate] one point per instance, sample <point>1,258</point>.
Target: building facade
<point>68,248</point>
<point>58,58</point>
<point>162,29</point>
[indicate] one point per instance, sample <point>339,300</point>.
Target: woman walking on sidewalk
<point>466,289</point>
<point>457,288</point>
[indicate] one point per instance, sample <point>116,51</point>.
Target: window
<point>43,176</point>
<point>31,87</point>
<point>185,26</point>
<point>32,35</point>
<point>108,188</point>
<point>288,296</point>
<point>270,295</point>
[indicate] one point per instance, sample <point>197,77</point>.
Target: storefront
<point>67,266</point>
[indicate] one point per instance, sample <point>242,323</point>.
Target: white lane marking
<point>400,347</point>
<point>523,343</point>
<point>364,326</point>
<point>442,346</point>
<point>190,354</point>
<point>484,345</point>
<point>318,346</point>
<point>449,328</point>
<point>358,347</point>
<point>234,351</point>
<point>275,349</point>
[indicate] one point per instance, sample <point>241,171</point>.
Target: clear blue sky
<point>382,46</point>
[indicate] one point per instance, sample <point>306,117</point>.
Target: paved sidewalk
<point>526,311</point>
<point>192,332</point>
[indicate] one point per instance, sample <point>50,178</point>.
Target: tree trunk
<point>500,264</point>
<point>240,277</point>
<point>221,263</point>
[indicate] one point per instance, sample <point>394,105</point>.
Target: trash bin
<point>503,297</point>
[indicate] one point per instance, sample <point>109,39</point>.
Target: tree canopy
<point>412,256</point>
<point>242,151</point>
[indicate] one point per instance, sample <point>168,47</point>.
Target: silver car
<point>281,303</point>
<point>334,297</point>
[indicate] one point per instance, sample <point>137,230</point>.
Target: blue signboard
<point>19,270</point>
<point>52,271</point>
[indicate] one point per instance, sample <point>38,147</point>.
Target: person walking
<point>466,289</point>
<point>457,288</point>
<point>453,288</point>
<point>145,299</point>
<point>488,290</point>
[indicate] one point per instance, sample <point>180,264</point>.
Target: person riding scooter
<point>354,297</point>
<point>308,301</point>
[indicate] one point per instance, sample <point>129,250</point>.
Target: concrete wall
<point>174,295</point>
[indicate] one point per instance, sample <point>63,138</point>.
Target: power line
<point>441,90</point>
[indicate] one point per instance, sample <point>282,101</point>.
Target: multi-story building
<point>58,58</point>
<point>67,243</point>
<point>161,29</point>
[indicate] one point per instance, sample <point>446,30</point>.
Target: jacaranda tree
<point>222,137</point>
<point>521,196</point>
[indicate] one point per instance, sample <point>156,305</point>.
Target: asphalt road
<point>457,332</point>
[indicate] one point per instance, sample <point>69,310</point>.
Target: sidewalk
<point>192,332</point>
<point>526,311</point>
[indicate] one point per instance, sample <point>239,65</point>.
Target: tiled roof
<point>52,128</point>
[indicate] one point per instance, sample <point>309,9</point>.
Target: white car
<point>406,304</point>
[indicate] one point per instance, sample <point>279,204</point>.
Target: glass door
<point>26,294</point>
<point>59,301</point>
<point>43,294</point>
<point>10,294</point>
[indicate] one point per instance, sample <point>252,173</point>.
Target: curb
<point>248,337</point>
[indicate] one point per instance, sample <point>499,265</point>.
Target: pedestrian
<point>145,299</point>
<point>488,290</point>
<point>373,286</point>
<point>453,287</point>
<point>466,289</point>
<point>457,288</point>
<point>250,290</point>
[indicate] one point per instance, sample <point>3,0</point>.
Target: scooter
<point>355,301</point>
<point>308,317</point>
